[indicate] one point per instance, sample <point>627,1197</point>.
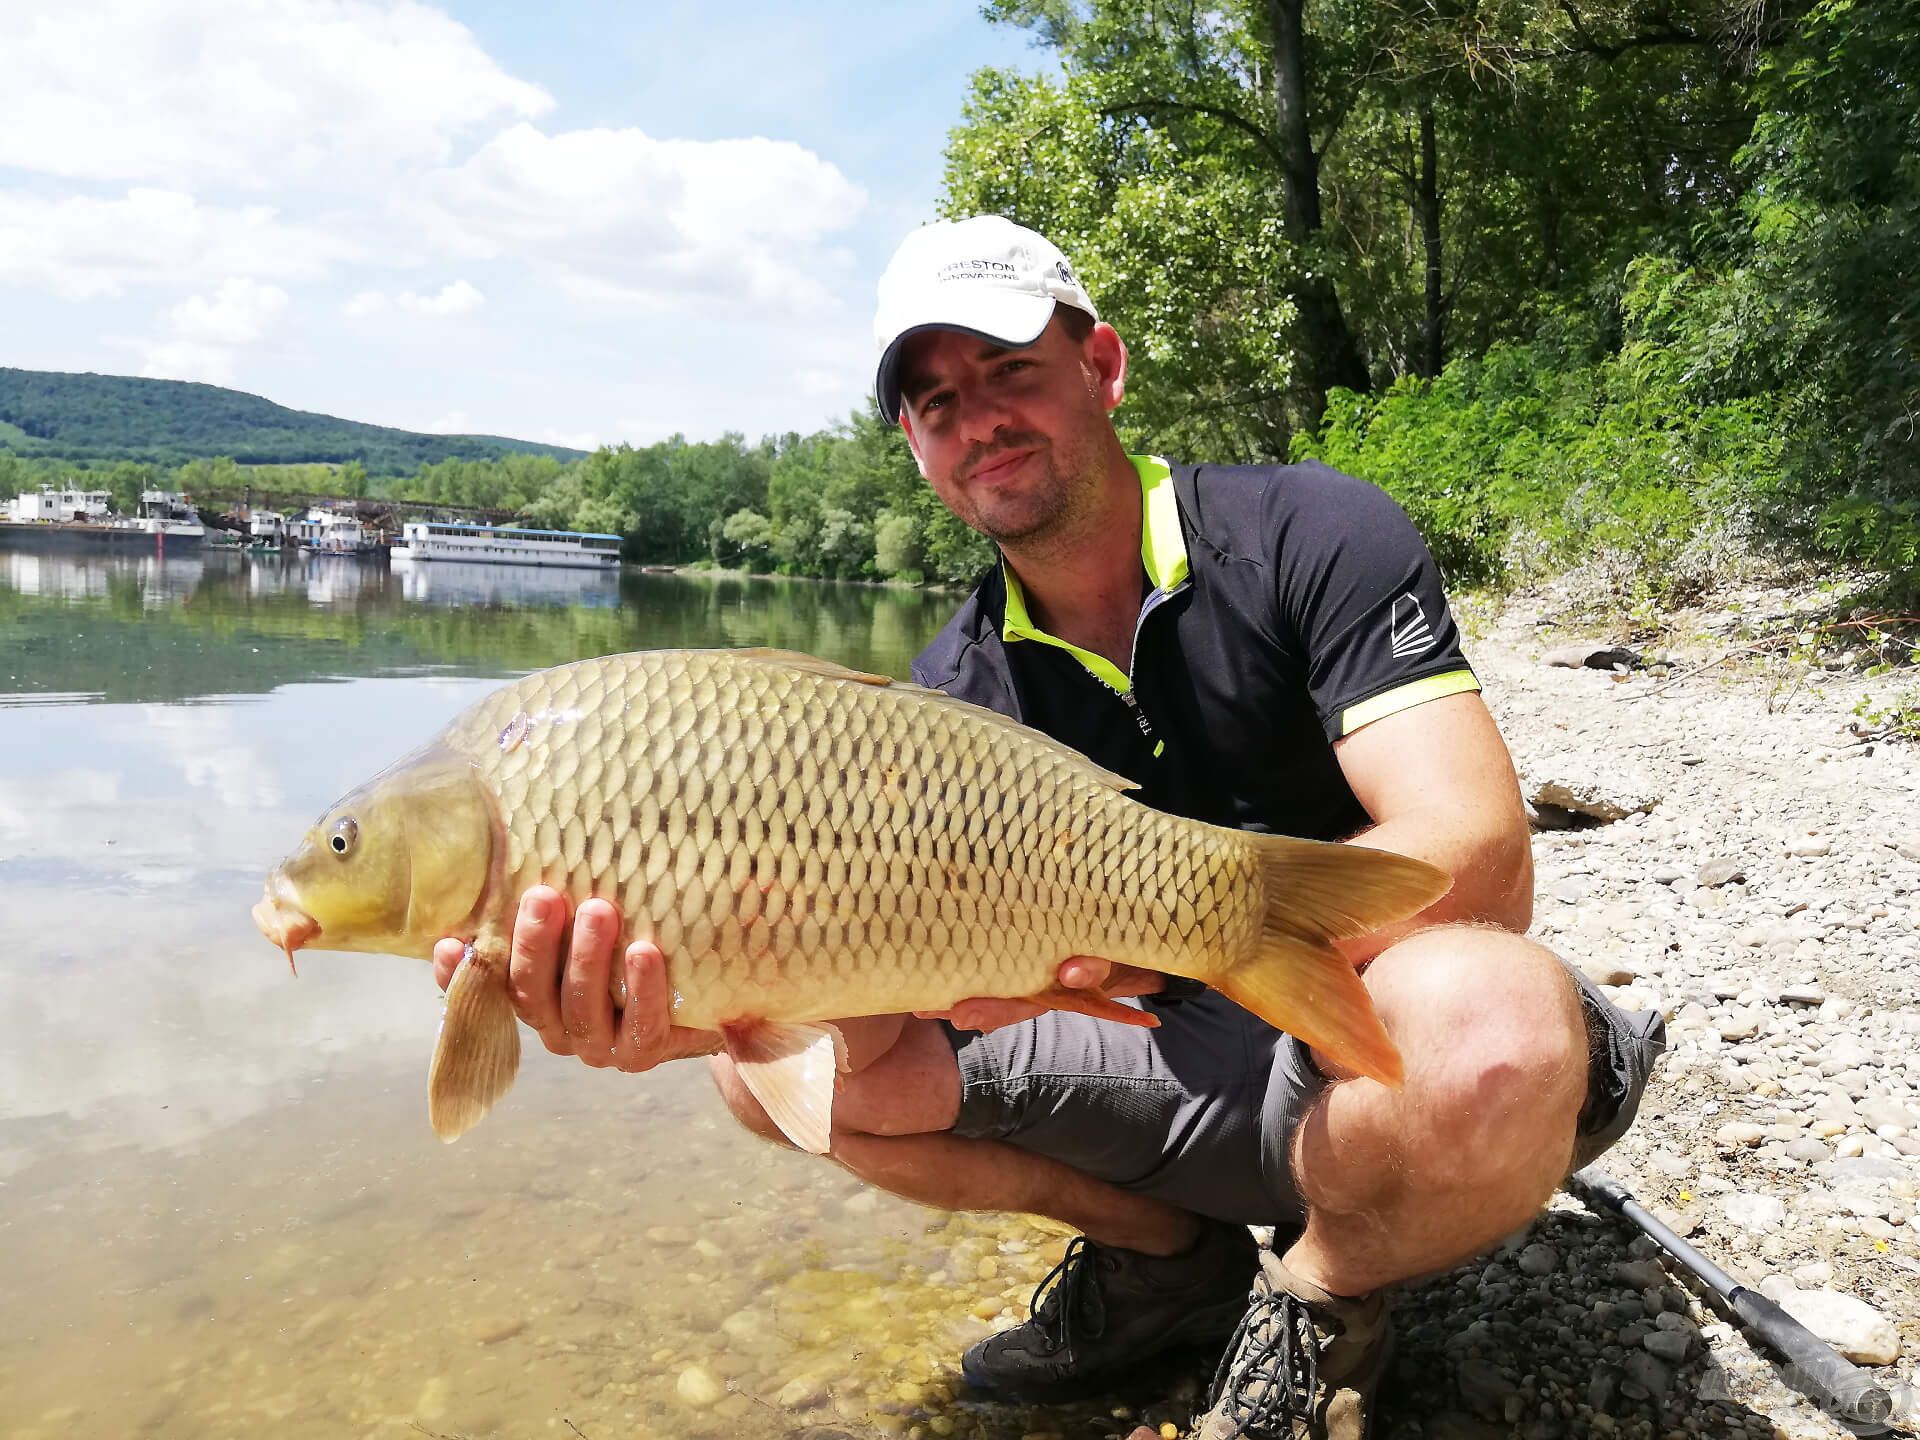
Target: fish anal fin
<point>1096,1003</point>
<point>791,1069</point>
<point>478,1052</point>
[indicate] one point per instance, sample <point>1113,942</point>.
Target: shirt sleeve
<point>1363,598</point>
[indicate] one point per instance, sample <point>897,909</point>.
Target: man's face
<point>1012,438</point>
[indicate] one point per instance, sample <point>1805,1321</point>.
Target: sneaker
<point>1304,1365</point>
<point>1103,1310</point>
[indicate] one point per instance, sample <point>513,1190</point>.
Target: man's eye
<point>1013,365</point>
<point>933,402</point>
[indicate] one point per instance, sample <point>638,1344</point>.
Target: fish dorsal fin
<point>1037,739</point>
<point>813,665</point>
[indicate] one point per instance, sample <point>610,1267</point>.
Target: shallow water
<point>221,1209</point>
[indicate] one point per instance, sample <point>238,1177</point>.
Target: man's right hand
<point>571,1006</point>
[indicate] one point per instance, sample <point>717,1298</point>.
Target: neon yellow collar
<point>1163,554</point>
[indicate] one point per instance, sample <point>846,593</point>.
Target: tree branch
<point>1221,113</point>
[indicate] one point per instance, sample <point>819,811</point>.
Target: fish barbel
<point>806,842</point>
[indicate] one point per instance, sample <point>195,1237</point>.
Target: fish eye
<point>344,834</point>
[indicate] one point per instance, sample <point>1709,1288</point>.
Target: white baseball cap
<point>984,275</point>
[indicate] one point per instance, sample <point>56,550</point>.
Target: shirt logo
<point>1408,633</point>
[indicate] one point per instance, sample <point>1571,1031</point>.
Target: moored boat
<point>435,540</point>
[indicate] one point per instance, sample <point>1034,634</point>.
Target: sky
<point>581,222</point>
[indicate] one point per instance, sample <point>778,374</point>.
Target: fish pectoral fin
<point>791,1070</point>
<point>1094,1002</point>
<point>478,1053</point>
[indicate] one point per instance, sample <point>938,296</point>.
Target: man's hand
<point>1077,972</point>
<point>571,1006</point>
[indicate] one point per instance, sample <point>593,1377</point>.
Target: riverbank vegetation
<point>1626,279</point>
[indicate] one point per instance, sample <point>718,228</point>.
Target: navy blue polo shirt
<point>1284,606</point>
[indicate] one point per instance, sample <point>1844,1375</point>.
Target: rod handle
<point>1839,1387</point>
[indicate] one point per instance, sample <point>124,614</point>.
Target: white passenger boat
<point>428,540</point>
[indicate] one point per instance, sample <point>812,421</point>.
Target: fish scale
<point>868,850</point>
<point>803,843</point>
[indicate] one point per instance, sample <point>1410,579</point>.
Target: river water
<point>222,1212</point>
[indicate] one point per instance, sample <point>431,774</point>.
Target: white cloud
<point>454,422</point>
<point>572,439</point>
<point>455,298</point>
<point>620,215</point>
<point>82,248</point>
<point>204,332</point>
<point>248,91</point>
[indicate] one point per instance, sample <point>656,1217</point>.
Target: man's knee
<point>1494,1036</point>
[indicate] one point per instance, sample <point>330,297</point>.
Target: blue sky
<point>582,222</point>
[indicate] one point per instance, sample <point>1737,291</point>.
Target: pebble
<point>1810,847</point>
<point>1485,1388</point>
<point>501,1327</point>
<point>1755,1212</point>
<point>1649,1373</point>
<point>1739,1025</point>
<point>1538,1259</point>
<point>1738,1133</point>
<point>1720,872</point>
<point>1880,1110</point>
<point>1669,1345</point>
<point>1608,972</point>
<point>698,1387</point>
<point>1850,1325</point>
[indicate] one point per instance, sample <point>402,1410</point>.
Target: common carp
<point>805,842</point>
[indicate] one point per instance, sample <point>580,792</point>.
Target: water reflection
<point>217,1184</point>
<point>120,627</point>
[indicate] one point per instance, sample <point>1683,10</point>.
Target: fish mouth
<point>284,923</point>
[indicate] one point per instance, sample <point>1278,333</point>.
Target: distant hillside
<point>92,418</point>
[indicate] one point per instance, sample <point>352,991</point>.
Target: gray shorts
<point>1201,1111</point>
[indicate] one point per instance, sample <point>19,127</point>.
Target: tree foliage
<point>1586,250</point>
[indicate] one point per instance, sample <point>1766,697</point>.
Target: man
<point>1261,646</point>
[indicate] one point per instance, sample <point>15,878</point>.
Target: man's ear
<point>913,443</point>
<point>1106,357</point>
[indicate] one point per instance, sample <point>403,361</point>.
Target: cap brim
<point>997,319</point>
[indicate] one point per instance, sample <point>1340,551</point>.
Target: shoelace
<point>1055,1313</point>
<point>1277,1377</point>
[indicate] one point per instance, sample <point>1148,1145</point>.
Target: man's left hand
<point>1077,972</point>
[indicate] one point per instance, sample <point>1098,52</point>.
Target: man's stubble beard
<point>1064,504</point>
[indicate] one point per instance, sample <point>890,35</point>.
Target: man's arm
<point>1440,786</point>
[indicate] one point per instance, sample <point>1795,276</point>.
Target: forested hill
<point>89,418</point>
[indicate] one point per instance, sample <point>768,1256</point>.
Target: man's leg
<point>890,1119</point>
<point>1402,1183</point>
<point>1091,1100</point>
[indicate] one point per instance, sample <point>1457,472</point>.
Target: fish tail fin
<point>478,1052</point>
<point>1294,979</point>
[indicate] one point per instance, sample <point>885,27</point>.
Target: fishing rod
<point>1814,1368</point>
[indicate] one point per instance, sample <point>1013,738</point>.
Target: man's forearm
<point>1492,869</point>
